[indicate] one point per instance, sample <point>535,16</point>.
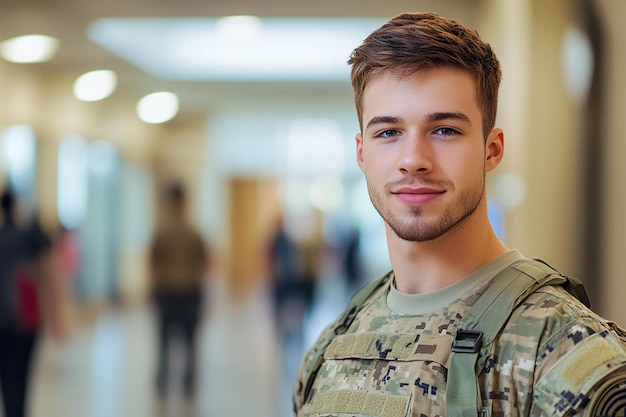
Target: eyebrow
<point>430,117</point>
<point>434,117</point>
<point>377,120</point>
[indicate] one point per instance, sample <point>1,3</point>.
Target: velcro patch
<point>390,346</point>
<point>360,403</point>
<point>587,359</point>
<point>575,374</point>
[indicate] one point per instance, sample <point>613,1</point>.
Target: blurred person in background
<point>295,255</point>
<point>29,301</point>
<point>283,260</point>
<point>352,266</point>
<point>67,255</point>
<point>461,325</point>
<point>178,268</point>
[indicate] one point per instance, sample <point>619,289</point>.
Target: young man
<point>426,93</point>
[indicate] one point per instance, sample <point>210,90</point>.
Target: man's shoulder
<point>364,298</point>
<point>577,353</point>
<point>580,375</point>
<point>364,301</point>
<point>556,316</point>
<point>552,301</point>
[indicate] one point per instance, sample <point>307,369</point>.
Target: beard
<point>414,227</point>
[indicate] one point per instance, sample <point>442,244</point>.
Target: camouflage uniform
<point>553,357</point>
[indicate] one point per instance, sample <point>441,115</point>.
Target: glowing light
<point>577,59</point>
<point>95,85</point>
<point>158,107</point>
<point>29,49</point>
<point>238,29</point>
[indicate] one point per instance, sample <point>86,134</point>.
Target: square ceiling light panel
<point>236,47</point>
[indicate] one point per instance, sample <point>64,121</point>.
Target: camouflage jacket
<point>553,357</point>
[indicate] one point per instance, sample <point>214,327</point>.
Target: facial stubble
<point>415,227</point>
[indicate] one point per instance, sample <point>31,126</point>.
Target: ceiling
<point>69,20</point>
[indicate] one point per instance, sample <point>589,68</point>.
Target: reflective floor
<point>106,368</point>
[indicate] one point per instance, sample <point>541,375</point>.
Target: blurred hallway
<point>248,149</point>
<point>106,368</point>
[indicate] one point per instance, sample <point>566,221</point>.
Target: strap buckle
<point>467,341</point>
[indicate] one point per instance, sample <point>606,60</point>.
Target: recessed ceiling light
<point>158,107</point>
<point>95,85</point>
<point>29,49</point>
<point>239,27</point>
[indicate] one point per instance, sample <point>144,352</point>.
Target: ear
<point>494,149</point>
<point>359,150</point>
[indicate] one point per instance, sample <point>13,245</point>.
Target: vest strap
<point>483,323</point>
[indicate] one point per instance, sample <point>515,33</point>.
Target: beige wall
<point>541,125</point>
<point>552,215</point>
<point>614,166</point>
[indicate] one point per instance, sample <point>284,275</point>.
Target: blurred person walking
<point>178,267</point>
<point>351,261</point>
<point>283,256</point>
<point>67,254</point>
<point>295,254</point>
<point>29,299</point>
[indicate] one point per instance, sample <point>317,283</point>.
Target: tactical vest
<point>476,332</point>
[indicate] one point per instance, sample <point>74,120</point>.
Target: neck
<point>421,267</point>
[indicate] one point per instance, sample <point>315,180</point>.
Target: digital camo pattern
<point>554,357</point>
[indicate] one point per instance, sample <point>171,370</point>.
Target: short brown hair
<point>414,42</point>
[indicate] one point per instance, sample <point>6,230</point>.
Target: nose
<point>415,155</point>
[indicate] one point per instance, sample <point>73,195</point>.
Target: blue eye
<point>446,131</point>
<point>389,133</point>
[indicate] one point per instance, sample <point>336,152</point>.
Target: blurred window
<point>72,181</point>
<point>315,146</point>
<point>88,202</point>
<point>19,160</point>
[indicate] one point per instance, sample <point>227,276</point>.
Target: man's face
<point>423,152</point>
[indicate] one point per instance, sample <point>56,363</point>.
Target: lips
<point>417,196</point>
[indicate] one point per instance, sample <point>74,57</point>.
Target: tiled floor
<point>105,369</point>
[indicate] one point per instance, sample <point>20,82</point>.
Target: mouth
<point>417,196</point>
